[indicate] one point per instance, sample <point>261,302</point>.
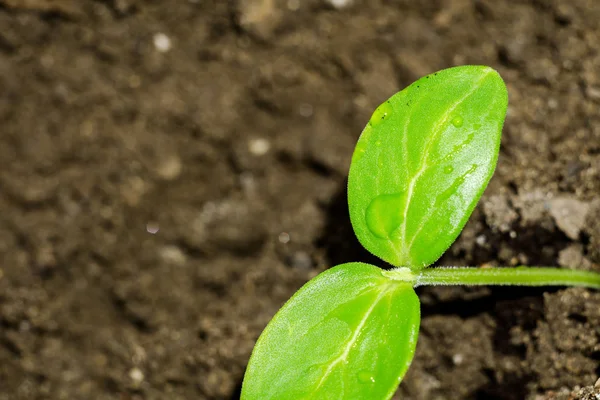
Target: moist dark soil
<point>172,171</point>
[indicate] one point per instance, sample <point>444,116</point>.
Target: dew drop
<point>381,113</point>
<point>384,214</point>
<point>457,121</point>
<point>448,169</point>
<point>363,143</point>
<point>359,151</point>
<point>365,377</point>
<point>453,188</point>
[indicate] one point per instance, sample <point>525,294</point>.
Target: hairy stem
<point>521,276</point>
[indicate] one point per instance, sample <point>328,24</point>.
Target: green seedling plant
<point>418,170</point>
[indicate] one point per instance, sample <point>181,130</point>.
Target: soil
<point>171,172</point>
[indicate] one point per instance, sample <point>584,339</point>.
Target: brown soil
<point>229,125</point>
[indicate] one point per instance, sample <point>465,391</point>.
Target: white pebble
<point>136,375</point>
<point>481,240</point>
<point>173,255</point>
<point>284,237</point>
<point>162,42</point>
<point>152,227</point>
<point>340,3</point>
<point>457,359</point>
<point>169,168</point>
<point>259,147</point>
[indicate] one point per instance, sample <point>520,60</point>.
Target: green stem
<point>522,276</point>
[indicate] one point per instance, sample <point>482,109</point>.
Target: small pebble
<point>499,214</point>
<point>340,3</point>
<point>24,326</point>
<point>284,237</point>
<point>169,168</point>
<point>136,375</point>
<point>162,42</point>
<point>259,147</point>
<point>173,255</point>
<point>569,214</point>
<point>457,359</point>
<point>592,92</point>
<point>481,240</point>
<point>300,260</point>
<point>152,227</point>
<point>306,110</point>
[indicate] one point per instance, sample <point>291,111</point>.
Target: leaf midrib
<point>403,249</point>
<point>355,335</point>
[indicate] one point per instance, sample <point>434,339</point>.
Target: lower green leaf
<point>349,333</point>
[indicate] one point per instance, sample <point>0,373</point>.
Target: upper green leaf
<point>349,333</point>
<point>422,163</point>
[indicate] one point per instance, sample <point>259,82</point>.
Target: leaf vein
<point>355,335</point>
<point>460,180</point>
<point>423,162</point>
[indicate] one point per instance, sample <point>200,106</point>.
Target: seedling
<point>418,170</point>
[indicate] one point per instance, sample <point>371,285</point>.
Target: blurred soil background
<point>172,171</point>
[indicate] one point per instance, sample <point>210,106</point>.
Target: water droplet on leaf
<point>452,189</point>
<point>457,121</point>
<point>448,169</point>
<point>384,214</point>
<point>381,113</point>
<point>365,377</point>
<point>359,151</point>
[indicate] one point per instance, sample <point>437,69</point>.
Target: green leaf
<point>349,333</point>
<point>422,163</point>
